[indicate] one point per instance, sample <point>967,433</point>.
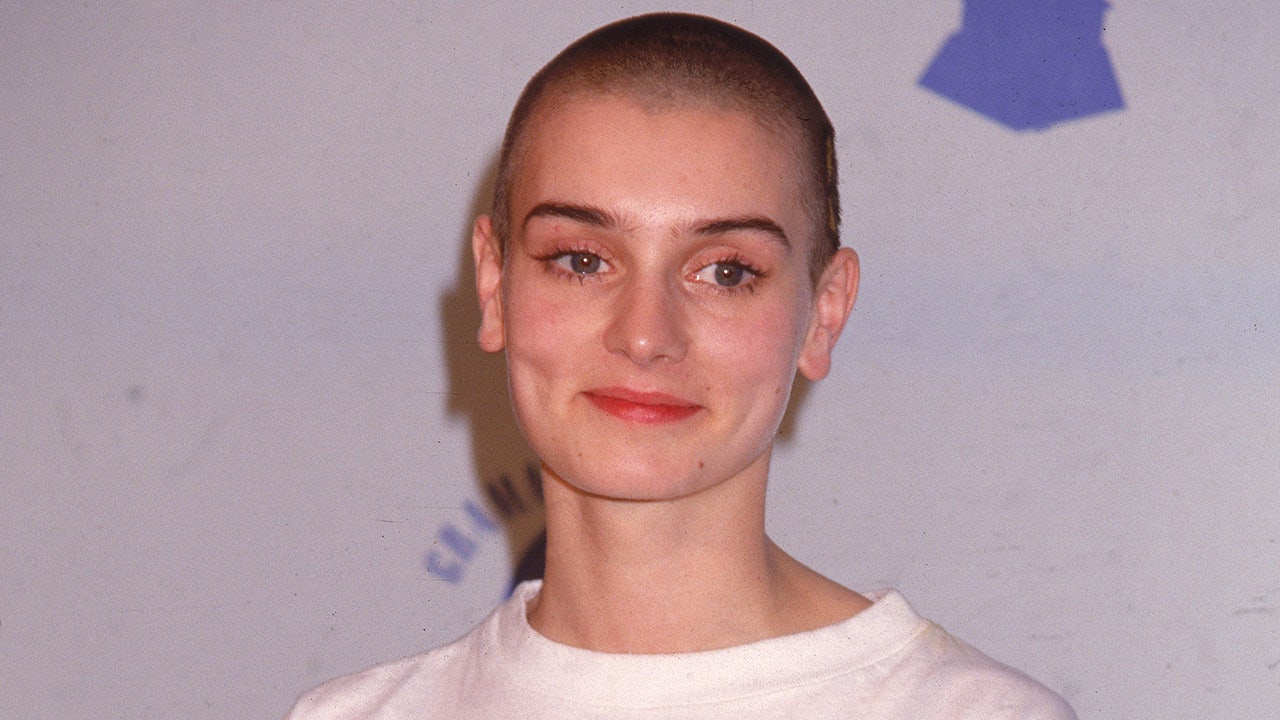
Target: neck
<point>696,573</point>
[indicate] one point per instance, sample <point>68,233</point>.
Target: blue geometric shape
<point>1028,64</point>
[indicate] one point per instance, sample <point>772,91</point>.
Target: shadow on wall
<point>1028,64</point>
<point>506,470</point>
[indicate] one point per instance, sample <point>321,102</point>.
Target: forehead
<point>656,157</point>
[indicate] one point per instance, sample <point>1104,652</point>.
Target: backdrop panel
<point>248,443</point>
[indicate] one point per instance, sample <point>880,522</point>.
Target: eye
<point>579,263</point>
<point>726,274</point>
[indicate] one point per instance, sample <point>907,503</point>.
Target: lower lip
<point>641,412</point>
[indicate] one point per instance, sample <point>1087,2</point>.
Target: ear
<point>832,303</point>
<point>488,257</point>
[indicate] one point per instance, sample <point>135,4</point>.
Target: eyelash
<point>551,261</point>
<point>737,261</point>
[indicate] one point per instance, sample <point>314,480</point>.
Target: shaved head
<point>669,60</point>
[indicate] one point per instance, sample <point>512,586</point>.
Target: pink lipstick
<point>649,408</point>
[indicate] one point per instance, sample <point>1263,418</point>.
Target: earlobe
<point>488,259</point>
<point>833,301</point>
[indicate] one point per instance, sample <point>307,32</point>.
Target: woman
<point>662,258</point>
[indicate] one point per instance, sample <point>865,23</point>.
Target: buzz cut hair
<point>678,59</point>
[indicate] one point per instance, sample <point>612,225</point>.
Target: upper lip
<point>642,397</point>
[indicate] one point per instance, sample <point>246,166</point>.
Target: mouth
<point>649,408</point>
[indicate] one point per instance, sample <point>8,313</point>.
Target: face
<point>654,298</point>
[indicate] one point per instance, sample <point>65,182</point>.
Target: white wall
<point>241,404</point>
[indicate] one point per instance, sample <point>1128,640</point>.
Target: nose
<point>648,323</point>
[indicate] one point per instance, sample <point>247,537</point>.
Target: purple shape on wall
<point>1028,64</point>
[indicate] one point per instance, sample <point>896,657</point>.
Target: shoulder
<point>921,671</point>
<point>430,685</point>
<point>383,692</point>
<point>961,683</point>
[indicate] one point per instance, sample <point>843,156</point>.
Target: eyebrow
<point>750,224</point>
<point>603,219</point>
<point>584,214</point>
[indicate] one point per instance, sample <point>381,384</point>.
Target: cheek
<point>541,336</point>
<point>760,350</point>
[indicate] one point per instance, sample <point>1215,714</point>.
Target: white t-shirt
<point>885,663</point>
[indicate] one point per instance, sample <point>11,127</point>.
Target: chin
<point>646,477</point>
<point>634,481</point>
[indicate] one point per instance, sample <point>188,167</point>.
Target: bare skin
<point>645,579</point>
<point>654,303</point>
